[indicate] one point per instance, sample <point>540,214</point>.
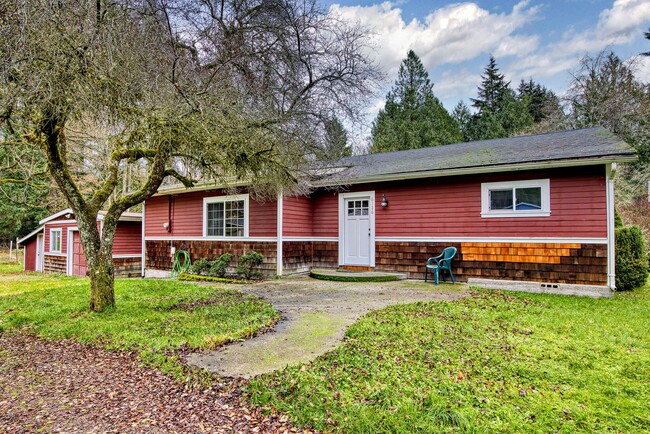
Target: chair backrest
<point>447,255</point>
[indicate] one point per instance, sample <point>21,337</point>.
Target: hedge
<point>631,258</point>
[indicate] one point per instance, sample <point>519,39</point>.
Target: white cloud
<point>448,35</point>
<point>618,25</point>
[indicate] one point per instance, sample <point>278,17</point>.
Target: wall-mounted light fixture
<point>384,201</point>
<point>166,226</point>
<point>68,215</point>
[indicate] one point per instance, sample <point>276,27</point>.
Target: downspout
<point>278,270</point>
<point>611,230</point>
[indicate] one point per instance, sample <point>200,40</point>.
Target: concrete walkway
<point>315,316</point>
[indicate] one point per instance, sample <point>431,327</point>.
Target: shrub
<point>218,267</point>
<point>618,221</point>
<point>247,263</point>
<point>631,258</point>
<point>200,266</point>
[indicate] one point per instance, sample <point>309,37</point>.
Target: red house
<point>534,210</point>
<point>55,247</point>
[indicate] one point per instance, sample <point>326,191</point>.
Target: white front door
<point>358,237</point>
<point>39,252</point>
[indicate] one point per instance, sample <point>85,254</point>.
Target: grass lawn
<point>154,317</point>
<point>498,362</point>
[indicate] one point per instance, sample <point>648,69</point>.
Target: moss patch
<point>352,278</point>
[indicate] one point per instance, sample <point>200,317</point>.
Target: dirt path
<point>316,315</point>
<point>67,387</point>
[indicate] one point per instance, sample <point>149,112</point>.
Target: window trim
<point>60,232</point>
<point>544,184</point>
<point>223,199</point>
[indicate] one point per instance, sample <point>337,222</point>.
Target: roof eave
<point>56,216</point>
<point>31,234</point>
<point>475,170</point>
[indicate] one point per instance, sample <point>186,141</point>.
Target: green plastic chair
<point>441,262</point>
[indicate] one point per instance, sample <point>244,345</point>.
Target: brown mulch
<point>64,386</point>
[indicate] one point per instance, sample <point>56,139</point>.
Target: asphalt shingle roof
<point>590,143</point>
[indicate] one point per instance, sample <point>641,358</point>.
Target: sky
<point>542,40</point>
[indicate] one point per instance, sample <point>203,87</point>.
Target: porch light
<point>384,201</point>
<point>68,215</point>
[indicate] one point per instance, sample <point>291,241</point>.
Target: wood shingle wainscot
<point>54,264</point>
<point>160,258</point>
<point>127,267</point>
<point>584,264</point>
<point>302,256</point>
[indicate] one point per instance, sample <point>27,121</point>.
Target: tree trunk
<point>102,280</point>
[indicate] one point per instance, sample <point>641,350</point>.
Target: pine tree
<point>541,101</point>
<point>336,141</point>
<point>500,112</point>
<point>492,89</point>
<point>413,117</point>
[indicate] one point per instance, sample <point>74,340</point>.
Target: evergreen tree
<point>336,141</point>
<point>541,101</point>
<point>500,112</point>
<point>463,117</point>
<point>492,90</point>
<point>413,117</point>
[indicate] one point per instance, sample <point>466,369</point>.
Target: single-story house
<point>536,209</point>
<point>55,247</point>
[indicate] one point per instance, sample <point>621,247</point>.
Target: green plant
<point>219,266</point>
<point>200,266</point>
<point>631,258</point>
<point>618,221</point>
<point>198,278</point>
<point>247,264</point>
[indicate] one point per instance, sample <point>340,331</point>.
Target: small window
<point>516,199</point>
<point>55,240</point>
<point>225,216</point>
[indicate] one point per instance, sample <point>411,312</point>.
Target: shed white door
<point>39,253</point>
<point>357,236</point>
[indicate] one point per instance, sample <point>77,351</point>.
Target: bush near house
<point>631,258</point>
<point>247,264</point>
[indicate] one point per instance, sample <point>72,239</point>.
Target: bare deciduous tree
<point>180,88</point>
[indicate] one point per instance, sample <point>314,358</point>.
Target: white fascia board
<point>202,186</point>
<point>31,234</point>
<point>55,216</point>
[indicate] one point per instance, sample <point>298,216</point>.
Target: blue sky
<point>543,40</point>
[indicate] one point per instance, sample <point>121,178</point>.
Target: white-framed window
<point>55,240</point>
<point>225,216</point>
<point>516,198</point>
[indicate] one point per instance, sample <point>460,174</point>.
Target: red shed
<point>532,210</point>
<point>56,247</point>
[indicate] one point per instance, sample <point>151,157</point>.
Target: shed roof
<point>126,216</point>
<point>560,149</point>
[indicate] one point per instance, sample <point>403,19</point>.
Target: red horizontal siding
<point>186,215</point>
<point>451,207</point>
<point>128,238</point>
<point>64,234</point>
<point>297,216</point>
<point>325,212</point>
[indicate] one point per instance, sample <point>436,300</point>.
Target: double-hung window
<point>516,199</point>
<point>55,240</point>
<point>225,216</point>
